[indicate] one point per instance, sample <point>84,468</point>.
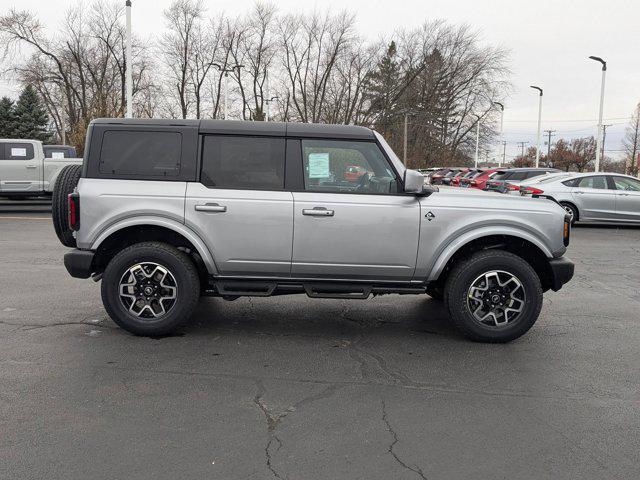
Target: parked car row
<point>587,197</point>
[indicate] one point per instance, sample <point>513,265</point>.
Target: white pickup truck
<point>24,170</point>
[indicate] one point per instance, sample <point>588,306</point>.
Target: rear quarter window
<point>155,154</point>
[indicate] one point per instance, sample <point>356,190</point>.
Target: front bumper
<point>79,262</point>
<point>561,272</point>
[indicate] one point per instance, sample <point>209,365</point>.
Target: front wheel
<point>571,210</point>
<point>493,296</point>
<point>150,288</point>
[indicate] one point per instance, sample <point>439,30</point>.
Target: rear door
<point>627,199</point>
<point>352,229</point>
<point>594,199</point>
<point>20,169</point>
<point>240,206</point>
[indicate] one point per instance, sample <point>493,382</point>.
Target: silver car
<point>593,197</point>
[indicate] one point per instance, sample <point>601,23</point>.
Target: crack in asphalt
<point>36,326</point>
<point>273,419</point>
<point>415,469</point>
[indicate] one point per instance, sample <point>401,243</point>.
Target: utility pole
<point>404,150</point>
<point>225,71</point>
<point>504,154</point>
<point>539,125</point>
<point>599,139</point>
<point>128,64</point>
<point>522,144</point>
<point>549,134</point>
<point>604,135</point>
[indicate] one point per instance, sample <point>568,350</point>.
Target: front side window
<point>16,151</point>
<point>596,182</point>
<point>340,166</point>
<point>152,154</point>
<point>629,184</point>
<point>243,163</point>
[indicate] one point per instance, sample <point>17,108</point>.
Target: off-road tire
<point>181,267</point>
<point>65,184</point>
<point>463,275</point>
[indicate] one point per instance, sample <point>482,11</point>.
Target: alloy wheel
<point>148,290</point>
<point>496,298</point>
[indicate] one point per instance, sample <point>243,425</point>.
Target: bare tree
<point>631,143</point>
<point>79,72</point>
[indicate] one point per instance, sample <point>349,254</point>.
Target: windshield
<point>397,164</point>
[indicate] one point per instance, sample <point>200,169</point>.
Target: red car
<point>455,180</point>
<point>353,173</point>
<point>479,180</point>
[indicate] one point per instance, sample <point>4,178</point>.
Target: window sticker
<point>18,152</point>
<point>57,154</point>
<point>319,165</point>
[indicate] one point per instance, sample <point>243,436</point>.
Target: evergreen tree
<point>7,118</point>
<point>32,121</point>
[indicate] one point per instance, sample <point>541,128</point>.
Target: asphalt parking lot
<point>294,388</point>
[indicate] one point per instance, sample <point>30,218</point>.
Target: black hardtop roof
<point>238,127</point>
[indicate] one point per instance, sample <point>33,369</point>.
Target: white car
<point>24,170</point>
<point>593,197</point>
<point>547,178</point>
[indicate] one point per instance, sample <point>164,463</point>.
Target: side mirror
<point>414,183</point>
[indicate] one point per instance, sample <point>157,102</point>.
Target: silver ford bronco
<point>167,211</point>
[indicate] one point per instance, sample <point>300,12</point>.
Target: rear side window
<point>243,163</point>
<point>59,152</point>
<point>517,176</point>
<point>16,151</point>
<point>145,153</point>
<point>597,182</point>
<point>502,176</point>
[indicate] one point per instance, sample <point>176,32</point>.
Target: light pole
<point>539,125</point>
<point>128,64</point>
<point>501,123</point>
<point>268,102</point>
<point>599,139</point>
<point>404,142</point>
<point>475,161</point>
<point>226,70</point>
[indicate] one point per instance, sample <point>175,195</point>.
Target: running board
<point>328,289</point>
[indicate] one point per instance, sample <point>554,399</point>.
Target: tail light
<point>473,182</point>
<point>74,211</point>
<point>512,187</point>
<point>532,190</point>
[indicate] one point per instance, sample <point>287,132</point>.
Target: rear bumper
<point>561,272</point>
<point>78,263</point>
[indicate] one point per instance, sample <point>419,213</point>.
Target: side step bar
<point>250,288</point>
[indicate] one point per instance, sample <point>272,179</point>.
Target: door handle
<point>31,166</point>
<point>317,212</point>
<point>211,208</point>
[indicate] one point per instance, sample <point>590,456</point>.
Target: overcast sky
<point>550,41</point>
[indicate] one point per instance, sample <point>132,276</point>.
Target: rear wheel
<point>150,288</point>
<point>493,296</point>
<point>65,184</point>
<point>571,210</point>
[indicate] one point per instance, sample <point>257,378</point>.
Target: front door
<point>240,208</point>
<point>594,198</point>
<point>350,226</point>
<point>20,171</point>
<point>627,199</point>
